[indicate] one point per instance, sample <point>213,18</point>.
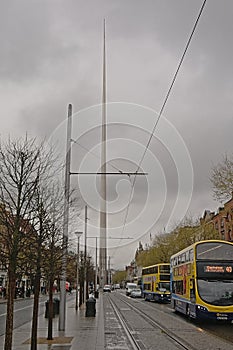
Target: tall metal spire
<point>103,205</point>
<point>62,318</point>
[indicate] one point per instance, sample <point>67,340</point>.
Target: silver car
<point>136,293</point>
<point>107,288</point>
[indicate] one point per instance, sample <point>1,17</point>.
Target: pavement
<point>82,333</point>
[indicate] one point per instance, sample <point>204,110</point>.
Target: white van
<point>130,287</point>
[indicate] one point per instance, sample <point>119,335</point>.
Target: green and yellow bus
<point>156,282</point>
<point>202,280</point>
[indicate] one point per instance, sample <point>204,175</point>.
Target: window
<point>214,251</point>
<point>178,287</point>
<point>147,286</point>
<point>191,254</point>
<point>164,269</point>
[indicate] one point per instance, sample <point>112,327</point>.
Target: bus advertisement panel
<point>202,280</point>
<point>156,283</point>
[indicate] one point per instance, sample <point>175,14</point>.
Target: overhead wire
<point>161,111</point>
<point>95,155</point>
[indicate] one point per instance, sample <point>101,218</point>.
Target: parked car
<point>107,288</point>
<point>136,293</point>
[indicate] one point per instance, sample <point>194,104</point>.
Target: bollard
<point>90,307</point>
<point>96,294</point>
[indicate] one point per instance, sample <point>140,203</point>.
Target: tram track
<point>159,324</point>
<point>222,330</point>
<point>177,342</point>
<point>172,336</point>
<point>130,337</point>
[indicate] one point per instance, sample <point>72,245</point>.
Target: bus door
<point>192,290</point>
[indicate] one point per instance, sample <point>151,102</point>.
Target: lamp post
<point>77,271</point>
<point>96,264</point>
<point>85,258</point>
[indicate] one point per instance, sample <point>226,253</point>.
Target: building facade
<point>223,221</point>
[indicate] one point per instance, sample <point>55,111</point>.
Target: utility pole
<point>103,207</point>
<point>96,259</point>
<point>85,257</point>
<point>62,310</point>
<point>77,271</point>
<point>109,270</point>
<point>96,263</point>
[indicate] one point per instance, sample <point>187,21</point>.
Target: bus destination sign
<point>218,268</point>
<point>211,270</point>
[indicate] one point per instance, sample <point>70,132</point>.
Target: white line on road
<point>26,307</point>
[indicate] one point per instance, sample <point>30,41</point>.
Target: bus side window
<point>178,287</point>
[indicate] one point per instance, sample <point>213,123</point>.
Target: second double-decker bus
<point>202,280</point>
<point>156,282</point>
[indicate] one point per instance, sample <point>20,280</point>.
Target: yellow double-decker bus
<point>156,282</point>
<point>202,280</point>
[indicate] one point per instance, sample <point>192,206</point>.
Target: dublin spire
<point>103,193</point>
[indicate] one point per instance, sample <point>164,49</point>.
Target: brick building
<point>223,221</point>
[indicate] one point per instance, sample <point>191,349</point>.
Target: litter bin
<point>47,309</point>
<point>96,294</point>
<point>56,305</point>
<point>90,307</point>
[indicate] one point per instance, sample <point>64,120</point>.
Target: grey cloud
<point>51,55</point>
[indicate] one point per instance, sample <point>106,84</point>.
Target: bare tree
<point>53,250</point>
<point>46,205</point>
<point>22,165</point>
<point>37,260</point>
<point>222,179</point>
<point>49,223</point>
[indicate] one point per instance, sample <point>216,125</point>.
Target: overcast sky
<point>51,55</point>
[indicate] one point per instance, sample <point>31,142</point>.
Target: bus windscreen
<point>214,251</point>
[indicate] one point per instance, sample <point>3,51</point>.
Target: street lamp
<point>96,264</point>
<point>79,234</point>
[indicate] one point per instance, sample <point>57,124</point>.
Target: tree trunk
<point>10,310</point>
<point>35,312</point>
<point>81,294</point>
<point>50,320</point>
